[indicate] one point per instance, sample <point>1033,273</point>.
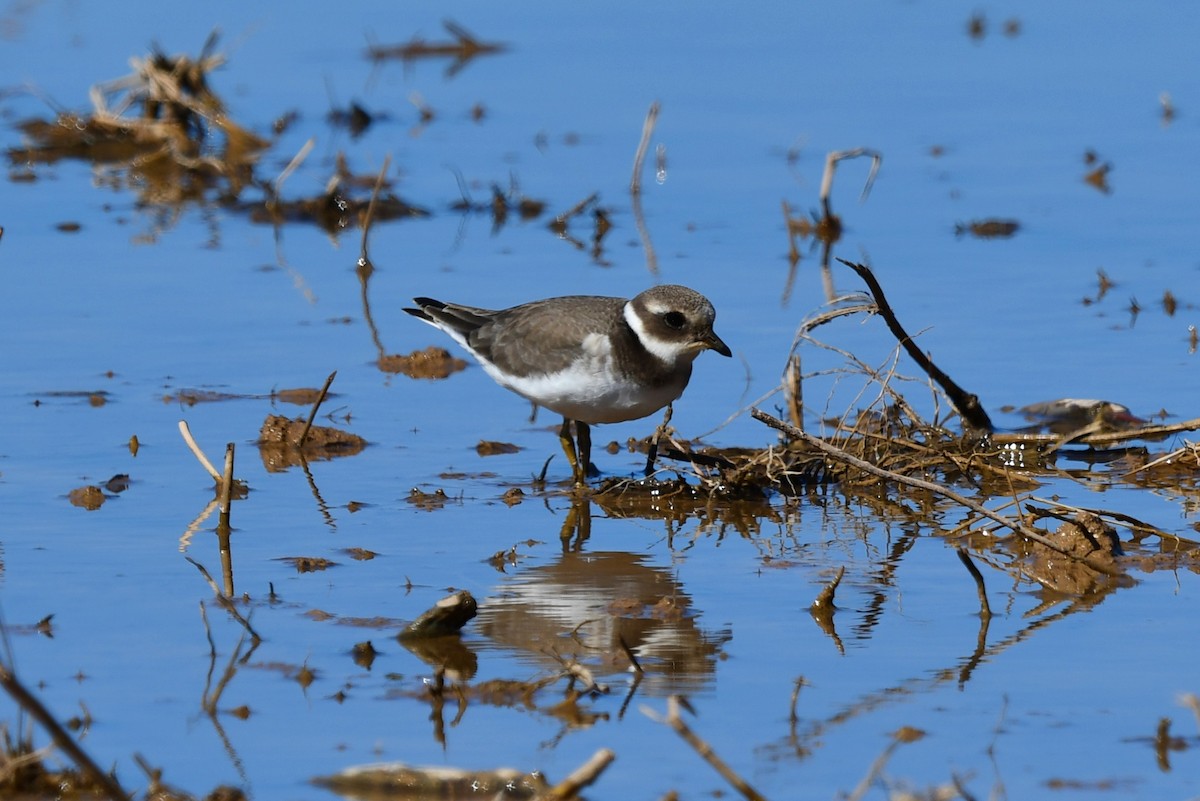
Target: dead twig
<point>635,184</point>
<point>635,188</point>
<point>575,210</point>
<point>464,47</point>
<point>873,772</point>
<point>226,494</point>
<point>190,441</point>
<point>581,777</point>
<point>659,433</point>
<point>793,391</point>
<point>370,213</point>
<point>831,162</point>
<point>297,160</point>
<point>966,403</point>
<point>630,655</point>
<point>985,609</point>
<point>316,405</point>
<point>822,609</point>
<point>823,603</point>
<point>673,719</point>
<point>225,603</point>
<point>793,718</point>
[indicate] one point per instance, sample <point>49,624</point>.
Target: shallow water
<point>143,303</point>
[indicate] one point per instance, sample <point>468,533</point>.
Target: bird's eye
<point>674,319</point>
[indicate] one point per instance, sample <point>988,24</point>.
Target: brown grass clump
<point>161,131</point>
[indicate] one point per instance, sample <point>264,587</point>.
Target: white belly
<point>590,392</point>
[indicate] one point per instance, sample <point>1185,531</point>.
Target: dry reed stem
<point>635,183</point>
<point>576,209</point>
<point>296,161</point>
<point>873,772</point>
<point>370,215</point>
<point>793,391</point>
<point>659,433</point>
<point>831,162</point>
<point>190,441</point>
<point>15,764</point>
<point>793,718</point>
<point>226,493</point>
<point>581,777</point>
<point>635,190</point>
<point>1188,448</point>
<point>630,655</point>
<point>874,374</point>
<point>225,603</point>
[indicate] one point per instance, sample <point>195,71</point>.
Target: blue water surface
<point>143,302</point>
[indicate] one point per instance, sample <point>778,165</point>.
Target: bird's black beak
<point>711,340</point>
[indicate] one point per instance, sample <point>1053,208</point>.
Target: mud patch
<point>285,443</point>
<point>433,362</point>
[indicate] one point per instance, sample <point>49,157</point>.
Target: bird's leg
<point>583,437</point>
<point>568,446</point>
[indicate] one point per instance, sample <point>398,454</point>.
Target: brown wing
<point>543,336</point>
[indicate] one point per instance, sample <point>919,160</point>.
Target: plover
<point>591,359</point>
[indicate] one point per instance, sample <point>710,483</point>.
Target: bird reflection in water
<point>598,607</point>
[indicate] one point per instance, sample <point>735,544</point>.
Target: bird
<point>589,358</point>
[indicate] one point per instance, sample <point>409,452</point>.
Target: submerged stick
<point>966,403</point>
<point>929,486</point>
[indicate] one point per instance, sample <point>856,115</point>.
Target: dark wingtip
<point>423,306</point>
